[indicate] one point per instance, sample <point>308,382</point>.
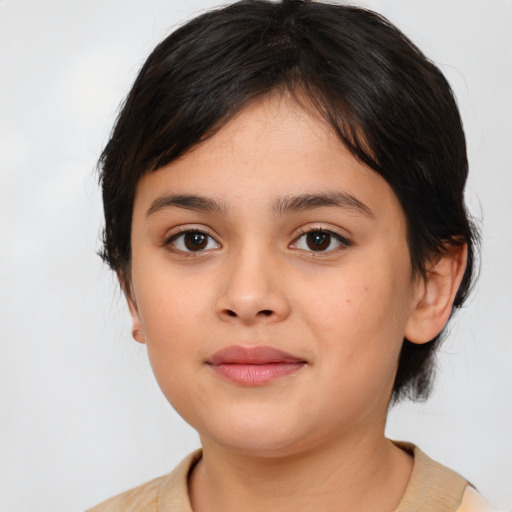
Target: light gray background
<point>80,415</point>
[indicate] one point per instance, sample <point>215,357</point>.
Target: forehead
<point>272,150</point>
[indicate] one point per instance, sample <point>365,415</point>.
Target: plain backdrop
<point>81,417</point>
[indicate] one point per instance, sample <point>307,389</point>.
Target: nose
<point>252,290</point>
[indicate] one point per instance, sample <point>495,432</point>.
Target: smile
<point>254,366</point>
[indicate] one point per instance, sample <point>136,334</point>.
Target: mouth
<point>254,366</point>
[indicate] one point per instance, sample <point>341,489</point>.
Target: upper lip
<point>260,354</point>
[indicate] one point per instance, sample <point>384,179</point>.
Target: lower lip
<point>256,374</point>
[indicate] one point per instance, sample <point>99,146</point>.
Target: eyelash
<point>169,242</point>
<point>343,242</point>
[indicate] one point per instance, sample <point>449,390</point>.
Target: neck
<point>351,475</point>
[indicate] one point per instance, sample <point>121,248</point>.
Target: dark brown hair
<point>390,106</point>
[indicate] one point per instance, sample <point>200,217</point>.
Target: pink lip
<point>254,366</point>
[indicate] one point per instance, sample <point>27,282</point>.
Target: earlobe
<point>138,335</point>
<point>137,332</point>
<point>435,294</point>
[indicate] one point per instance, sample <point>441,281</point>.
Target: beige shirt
<point>432,487</point>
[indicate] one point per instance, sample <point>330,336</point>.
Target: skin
<point>313,440</point>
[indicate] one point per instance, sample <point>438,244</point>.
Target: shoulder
<point>473,502</point>
<point>168,492</point>
<point>143,498</point>
<point>436,488</point>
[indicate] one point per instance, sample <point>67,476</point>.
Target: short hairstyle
<point>388,104</point>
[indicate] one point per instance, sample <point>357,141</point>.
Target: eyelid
<point>168,240</point>
<point>343,240</point>
<point>183,230</point>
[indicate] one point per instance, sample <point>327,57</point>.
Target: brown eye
<point>192,241</point>
<point>195,241</point>
<point>320,240</point>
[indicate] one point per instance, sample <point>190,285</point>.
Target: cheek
<point>359,323</point>
<point>174,322</point>
<point>173,315</point>
<point>360,310</point>
<point>166,296</point>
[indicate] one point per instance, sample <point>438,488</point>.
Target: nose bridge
<point>252,290</point>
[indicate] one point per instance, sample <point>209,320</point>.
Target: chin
<point>257,438</point>
<point>257,447</point>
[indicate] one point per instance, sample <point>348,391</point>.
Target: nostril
<point>263,313</point>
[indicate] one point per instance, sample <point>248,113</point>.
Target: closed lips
<point>252,355</point>
<point>254,366</point>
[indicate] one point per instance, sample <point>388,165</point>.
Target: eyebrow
<point>188,202</point>
<point>311,201</point>
<point>280,206</point>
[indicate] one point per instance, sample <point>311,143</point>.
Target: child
<point>283,195</point>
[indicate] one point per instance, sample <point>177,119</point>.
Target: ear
<point>435,294</point>
<point>137,332</point>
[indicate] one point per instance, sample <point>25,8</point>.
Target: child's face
<point>337,301</point>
